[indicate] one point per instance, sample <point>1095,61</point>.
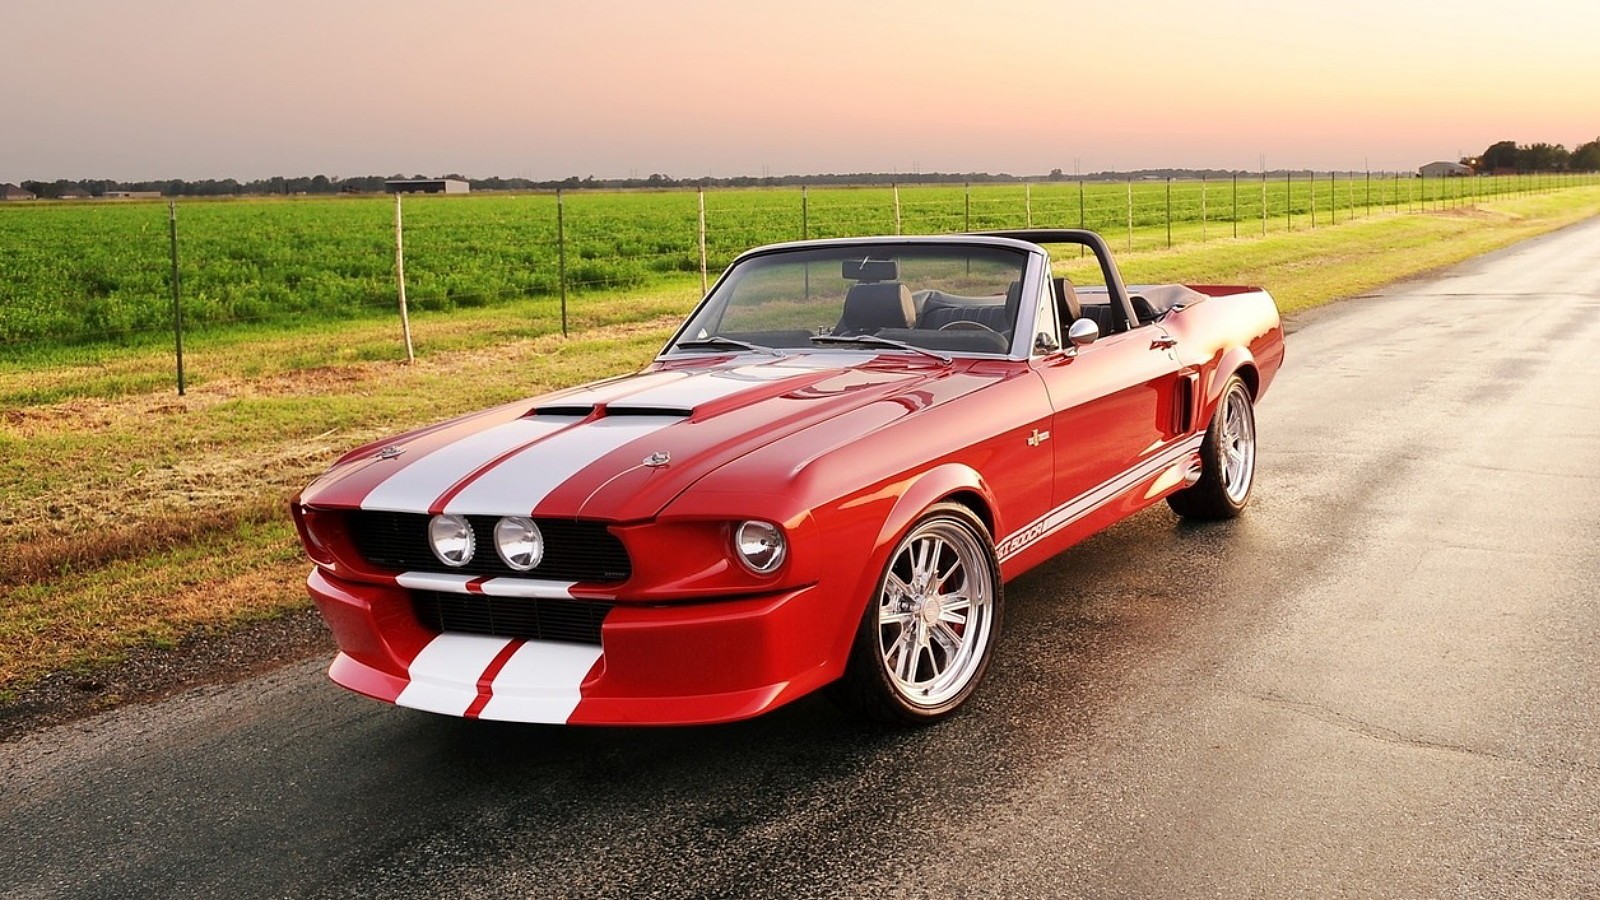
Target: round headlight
<point>519,543</point>
<point>451,539</point>
<point>760,546</point>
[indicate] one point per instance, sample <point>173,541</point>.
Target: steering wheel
<point>965,325</point>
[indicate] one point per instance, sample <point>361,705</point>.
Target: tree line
<point>1510,156</point>
<point>1502,156</point>
<point>367,184</point>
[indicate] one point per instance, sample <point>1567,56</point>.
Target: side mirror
<point>1045,343</point>
<point>1083,333</point>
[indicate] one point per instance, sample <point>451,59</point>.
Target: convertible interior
<point>879,304</point>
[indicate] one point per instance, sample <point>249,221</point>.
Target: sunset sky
<point>551,88</point>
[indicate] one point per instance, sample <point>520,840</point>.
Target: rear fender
<point>1233,361</point>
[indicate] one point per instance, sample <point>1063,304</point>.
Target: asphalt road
<point>1381,682</point>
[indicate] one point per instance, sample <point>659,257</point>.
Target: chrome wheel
<point>1237,442</point>
<point>935,612</point>
<point>1227,459</point>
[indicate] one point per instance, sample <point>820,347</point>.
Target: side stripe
<point>1093,499</point>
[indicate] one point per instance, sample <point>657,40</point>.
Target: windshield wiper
<point>717,341</point>
<point>875,341</point>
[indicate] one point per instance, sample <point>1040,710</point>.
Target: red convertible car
<point>823,481</point>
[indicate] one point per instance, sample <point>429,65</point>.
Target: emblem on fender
<point>658,459</point>
<point>1038,437</point>
<point>390,452</point>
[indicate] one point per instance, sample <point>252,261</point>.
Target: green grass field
<point>132,517</point>
<point>77,278</point>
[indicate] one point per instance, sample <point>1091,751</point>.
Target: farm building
<point>426,186</point>
<point>12,192</point>
<point>1442,169</point>
<point>133,195</point>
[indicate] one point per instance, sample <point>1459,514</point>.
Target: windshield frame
<point>1035,278</point>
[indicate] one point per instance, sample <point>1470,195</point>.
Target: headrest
<point>868,307</point>
<point>1067,305</point>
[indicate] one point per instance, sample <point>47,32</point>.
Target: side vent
<point>1183,402</point>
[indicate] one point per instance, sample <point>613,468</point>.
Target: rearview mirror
<point>870,270</point>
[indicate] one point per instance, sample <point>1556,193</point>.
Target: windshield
<point>954,299</point>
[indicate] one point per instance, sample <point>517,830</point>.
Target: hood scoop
<point>611,410</point>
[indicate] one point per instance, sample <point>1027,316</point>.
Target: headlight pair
<point>517,540</point>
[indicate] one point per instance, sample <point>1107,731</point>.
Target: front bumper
<point>678,664</point>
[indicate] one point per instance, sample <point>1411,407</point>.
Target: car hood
<point>623,448</point>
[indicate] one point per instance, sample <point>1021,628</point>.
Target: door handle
<point>1165,342</point>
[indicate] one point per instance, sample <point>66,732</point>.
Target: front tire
<point>929,629</point>
<point>1227,457</point>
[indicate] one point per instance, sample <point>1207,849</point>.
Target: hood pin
<point>658,459</point>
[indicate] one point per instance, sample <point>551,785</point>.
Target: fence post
<point>1288,199</point>
<point>896,189</point>
<point>805,215</point>
<point>1313,183</point>
<point>704,285</point>
<point>1081,248</point>
<point>1202,209</point>
<point>561,255</point>
<point>1027,201</point>
<point>1169,212</point>
<point>1333,196</point>
<point>1236,205</point>
<point>1130,213</point>
<point>177,306</point>
<point>968,205</point>
<point>400,278</point>
<point>1263,201</point>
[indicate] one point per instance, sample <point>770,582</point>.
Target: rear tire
<point>1227,457</point>
<point>930,627</point>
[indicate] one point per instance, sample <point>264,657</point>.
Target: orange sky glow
<point>551,88</point>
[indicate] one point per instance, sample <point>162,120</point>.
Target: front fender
<point>916,494</point>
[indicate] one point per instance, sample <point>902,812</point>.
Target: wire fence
<point>96,277</point>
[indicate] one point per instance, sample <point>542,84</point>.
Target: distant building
<point>12,192</point>
<point>134,195</point>
<point>1442,169</point>
<point>426,186</point>
<point>73,193</point>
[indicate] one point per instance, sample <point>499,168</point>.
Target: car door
<point>1113,416</point>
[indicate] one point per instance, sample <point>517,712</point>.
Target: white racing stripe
<point>522,481</point>
<point>444,676</point>
<point>415,487</point>
<point>493,587</point>
<point>707,387</point>
<point>540,682</point>
<point>616,390</point>
<point>526,587</point>
<point>434,581</point>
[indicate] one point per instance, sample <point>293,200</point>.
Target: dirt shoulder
<point>209,656</point>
